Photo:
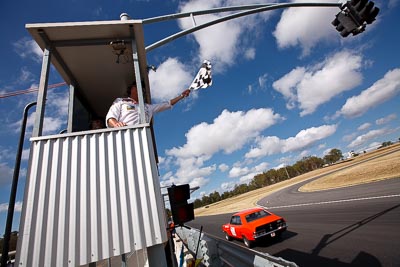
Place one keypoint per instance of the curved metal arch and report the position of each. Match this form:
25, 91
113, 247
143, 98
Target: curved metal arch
250, 9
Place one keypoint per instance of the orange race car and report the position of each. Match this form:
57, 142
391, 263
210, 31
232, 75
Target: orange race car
253, 224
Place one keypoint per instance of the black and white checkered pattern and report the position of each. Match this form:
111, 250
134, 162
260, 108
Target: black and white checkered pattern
203, 77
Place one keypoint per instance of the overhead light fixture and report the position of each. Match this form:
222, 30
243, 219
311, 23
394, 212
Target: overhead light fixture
119, 49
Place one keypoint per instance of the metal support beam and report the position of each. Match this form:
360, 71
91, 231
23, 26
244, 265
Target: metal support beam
138, 78
42, 93
201, 12
193, 20
71, 104
89, 42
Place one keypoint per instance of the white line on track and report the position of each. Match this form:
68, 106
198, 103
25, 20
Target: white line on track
331, 202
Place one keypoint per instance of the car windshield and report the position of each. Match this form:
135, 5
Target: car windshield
256, 215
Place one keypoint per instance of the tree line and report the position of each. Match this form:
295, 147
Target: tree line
273, 176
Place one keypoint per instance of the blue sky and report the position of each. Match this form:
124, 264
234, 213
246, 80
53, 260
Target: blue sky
285, 85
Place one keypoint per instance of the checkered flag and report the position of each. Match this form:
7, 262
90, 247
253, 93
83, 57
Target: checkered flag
203, 77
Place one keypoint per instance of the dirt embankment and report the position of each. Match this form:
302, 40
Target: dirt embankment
369, 169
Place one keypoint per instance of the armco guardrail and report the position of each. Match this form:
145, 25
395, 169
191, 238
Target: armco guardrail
219, 253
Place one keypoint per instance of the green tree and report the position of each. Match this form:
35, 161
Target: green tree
333, 156
387, 143
258, 181
215, 197
197, 203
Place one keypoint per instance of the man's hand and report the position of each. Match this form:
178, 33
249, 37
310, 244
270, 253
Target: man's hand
114, 123
186, 93
183, 95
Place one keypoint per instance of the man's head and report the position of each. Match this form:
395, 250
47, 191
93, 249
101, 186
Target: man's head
131, 90
97, 124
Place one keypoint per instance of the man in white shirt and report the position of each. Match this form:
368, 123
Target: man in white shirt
125, 111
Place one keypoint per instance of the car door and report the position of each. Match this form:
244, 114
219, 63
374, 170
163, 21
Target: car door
235, 226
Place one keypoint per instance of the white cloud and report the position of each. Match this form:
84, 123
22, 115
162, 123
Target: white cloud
191, 171
161, 160
56, 115
349, 137
321, 146
261, 167
237, 171
326, 151
228, 186
266, 146
304, 153
279, 166
169, 80
6, 174
26, 77
250, 53
198, 182
246, 174
308, 137
25, 154
285, 159
17, 207
57, 103
223, 167
193, 167
262, 80
364, 126
381, 91
247, 178
3, 207
7, 154
362, 139
287, 85
222, 43
250, 89
26, 47
272, 145
51, 125
374, 145
305, 27
312, 86
386, 119
195, 176
209, 39
228, 133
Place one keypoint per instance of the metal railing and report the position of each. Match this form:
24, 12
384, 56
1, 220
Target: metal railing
220, 253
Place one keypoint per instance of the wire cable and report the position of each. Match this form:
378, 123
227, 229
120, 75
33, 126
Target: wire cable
30, 90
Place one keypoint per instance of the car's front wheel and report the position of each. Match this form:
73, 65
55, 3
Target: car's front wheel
228, 237
247, 242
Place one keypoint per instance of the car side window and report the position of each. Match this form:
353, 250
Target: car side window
236, 220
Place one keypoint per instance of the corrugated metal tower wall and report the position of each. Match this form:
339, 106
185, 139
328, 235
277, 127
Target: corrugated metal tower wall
90, 196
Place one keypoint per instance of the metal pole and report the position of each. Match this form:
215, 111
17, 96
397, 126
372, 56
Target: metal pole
258, 9
41, 98
287, 172
11, 205
138, 78
198, 244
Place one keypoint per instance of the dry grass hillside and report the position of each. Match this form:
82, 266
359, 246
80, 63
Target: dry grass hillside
375, 169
